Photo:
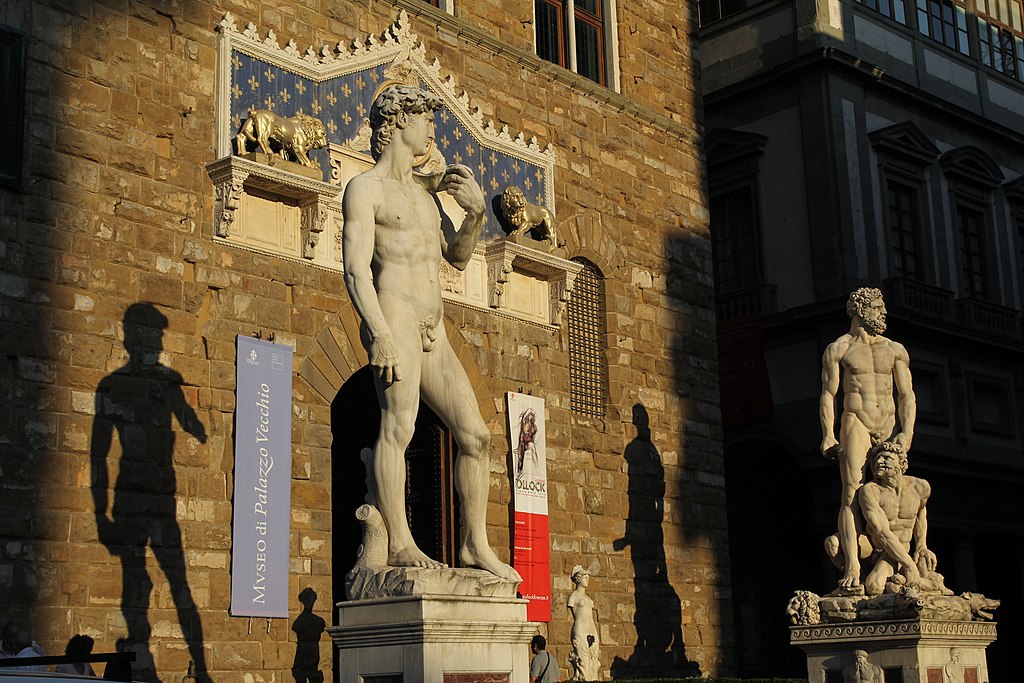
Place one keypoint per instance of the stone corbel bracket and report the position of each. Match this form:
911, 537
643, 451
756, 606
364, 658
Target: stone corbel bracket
505, 256
232, 176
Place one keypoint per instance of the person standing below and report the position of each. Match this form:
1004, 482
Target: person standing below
79, 647
543, 668
869, 365
395, 237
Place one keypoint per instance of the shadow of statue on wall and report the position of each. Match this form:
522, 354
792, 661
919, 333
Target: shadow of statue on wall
659, 648
138, 401
309, 628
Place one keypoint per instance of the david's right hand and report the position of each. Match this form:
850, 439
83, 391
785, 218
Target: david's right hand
384, 358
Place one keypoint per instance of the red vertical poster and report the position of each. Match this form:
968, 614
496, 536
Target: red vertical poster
531, 547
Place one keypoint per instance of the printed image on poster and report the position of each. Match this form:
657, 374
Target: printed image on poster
531, 546
262, 497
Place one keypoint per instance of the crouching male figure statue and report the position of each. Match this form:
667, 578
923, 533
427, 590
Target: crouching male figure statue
895, 514
395, 237
870, 365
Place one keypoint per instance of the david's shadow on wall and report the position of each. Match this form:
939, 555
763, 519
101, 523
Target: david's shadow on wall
138, 402
659, 648
309, 628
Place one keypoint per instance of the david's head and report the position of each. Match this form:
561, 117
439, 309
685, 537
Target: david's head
398, 107
867, 304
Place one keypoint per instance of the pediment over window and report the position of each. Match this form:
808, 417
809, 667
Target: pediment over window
728, 146
906, 141
972, 166
1015, 190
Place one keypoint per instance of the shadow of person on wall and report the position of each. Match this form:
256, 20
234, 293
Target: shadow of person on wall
308, 629
138, 401
659, 649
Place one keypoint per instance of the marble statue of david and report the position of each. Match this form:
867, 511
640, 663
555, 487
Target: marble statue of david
395, 236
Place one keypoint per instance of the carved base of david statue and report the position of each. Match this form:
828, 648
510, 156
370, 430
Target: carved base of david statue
423, 623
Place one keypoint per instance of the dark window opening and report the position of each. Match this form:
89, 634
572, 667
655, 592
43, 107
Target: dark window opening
12, 105
902, 219
735, 240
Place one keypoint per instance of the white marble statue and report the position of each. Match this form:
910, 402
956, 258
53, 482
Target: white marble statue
395, 238
894, 508
585, 657
870, 366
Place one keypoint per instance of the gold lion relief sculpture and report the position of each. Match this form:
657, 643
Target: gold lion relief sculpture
297, 135
523, 217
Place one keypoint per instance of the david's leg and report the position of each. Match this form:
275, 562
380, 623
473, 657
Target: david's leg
399, 405
447, 390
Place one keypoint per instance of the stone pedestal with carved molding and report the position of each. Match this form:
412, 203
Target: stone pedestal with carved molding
906, 651
433, 639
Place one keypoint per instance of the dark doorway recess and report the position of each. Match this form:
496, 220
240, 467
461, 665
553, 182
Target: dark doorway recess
775, 549
431, 501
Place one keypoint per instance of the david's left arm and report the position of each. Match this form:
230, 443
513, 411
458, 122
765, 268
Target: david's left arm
457, 245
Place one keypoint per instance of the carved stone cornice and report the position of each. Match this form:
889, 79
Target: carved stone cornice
889, 631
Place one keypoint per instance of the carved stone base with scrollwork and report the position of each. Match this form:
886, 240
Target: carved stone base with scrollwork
910, 650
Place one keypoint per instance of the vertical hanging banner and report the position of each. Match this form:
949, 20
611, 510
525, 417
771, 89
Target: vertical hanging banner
531, 548
263, 464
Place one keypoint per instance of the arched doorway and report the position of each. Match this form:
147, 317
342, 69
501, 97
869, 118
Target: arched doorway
431, 501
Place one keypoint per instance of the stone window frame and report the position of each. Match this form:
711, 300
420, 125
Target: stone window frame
893, 9
973, 177
1001, 35
567, 15
935, 374
904, 157
1003, 388
443, 5
958, 37
734, 165
587, 328
1014, 192
13, 63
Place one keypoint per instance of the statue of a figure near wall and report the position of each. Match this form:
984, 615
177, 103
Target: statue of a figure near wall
585, 657
869, 366
395, 237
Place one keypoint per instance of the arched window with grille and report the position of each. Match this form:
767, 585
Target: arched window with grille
588, 365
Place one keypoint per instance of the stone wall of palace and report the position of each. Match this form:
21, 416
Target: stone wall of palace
115, 208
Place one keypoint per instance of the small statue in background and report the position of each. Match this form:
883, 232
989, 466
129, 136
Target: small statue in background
296, 135
524, 217
585, 658
862, 671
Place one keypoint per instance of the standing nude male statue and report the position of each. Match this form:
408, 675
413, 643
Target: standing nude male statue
395, 237
870, 366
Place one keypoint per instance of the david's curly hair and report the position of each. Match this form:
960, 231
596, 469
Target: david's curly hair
860, 299
384, 112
